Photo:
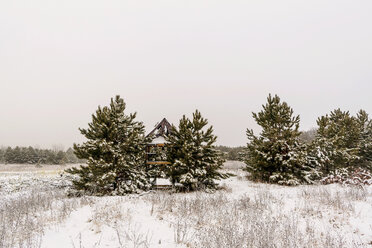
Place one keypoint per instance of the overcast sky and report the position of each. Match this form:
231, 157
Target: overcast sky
59, 60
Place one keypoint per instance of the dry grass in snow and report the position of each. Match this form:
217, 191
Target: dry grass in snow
243, 214
267, 216
24, 216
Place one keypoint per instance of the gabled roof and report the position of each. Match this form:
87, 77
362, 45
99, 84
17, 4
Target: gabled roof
163, 129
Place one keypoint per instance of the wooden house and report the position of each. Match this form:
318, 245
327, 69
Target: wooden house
156, 153
156, 149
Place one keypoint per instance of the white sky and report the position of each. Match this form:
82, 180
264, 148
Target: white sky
59, 60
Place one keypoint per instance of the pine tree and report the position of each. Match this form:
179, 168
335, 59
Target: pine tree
61, 157
10, 156
2, 153
50, 157
115, 153
337, 141
365, 140
17, 153
194, 160
276, 155
32, 157
70, 156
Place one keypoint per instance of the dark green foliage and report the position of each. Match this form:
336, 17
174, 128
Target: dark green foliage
276, 155
30, 155
115, 153
2, 152
338, 140
342, 142
340, 126
365, 140
195, 161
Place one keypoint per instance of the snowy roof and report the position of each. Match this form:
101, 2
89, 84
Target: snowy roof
159, 140
163, 181
163, 129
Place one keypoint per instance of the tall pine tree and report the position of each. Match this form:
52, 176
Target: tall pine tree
337, 140
115, 153
276, 155
365, 140
194, 160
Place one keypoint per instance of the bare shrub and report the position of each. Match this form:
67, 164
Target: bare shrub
182, 232
133, 237
339, 198
110, 213
114, 213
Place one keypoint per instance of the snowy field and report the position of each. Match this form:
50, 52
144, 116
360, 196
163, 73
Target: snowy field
35, 212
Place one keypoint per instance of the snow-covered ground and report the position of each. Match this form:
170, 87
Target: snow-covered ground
35, 212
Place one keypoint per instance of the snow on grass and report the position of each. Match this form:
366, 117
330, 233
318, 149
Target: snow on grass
272, 216
31, 202
34, 168
19, 183
112, 222
25, 215
35, 212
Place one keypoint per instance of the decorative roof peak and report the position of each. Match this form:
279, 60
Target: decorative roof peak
163, 128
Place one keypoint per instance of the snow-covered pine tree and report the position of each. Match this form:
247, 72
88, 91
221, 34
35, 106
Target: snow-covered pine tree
337, 141
276, 155
194, 160
115, 153
365, 140
319, 156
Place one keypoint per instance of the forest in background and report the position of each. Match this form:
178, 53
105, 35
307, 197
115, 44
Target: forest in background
31, 155
231, 153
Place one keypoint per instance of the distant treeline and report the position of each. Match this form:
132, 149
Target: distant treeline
237, 153
306, 137
30, 155
231, 153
